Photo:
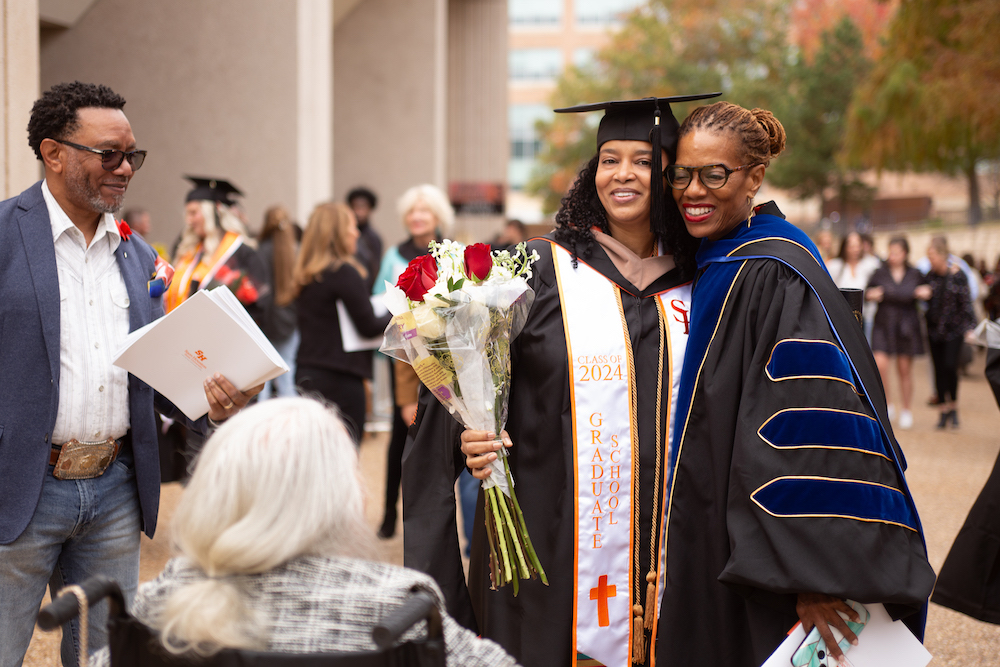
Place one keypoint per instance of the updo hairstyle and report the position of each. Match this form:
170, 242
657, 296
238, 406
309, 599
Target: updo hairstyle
760, 134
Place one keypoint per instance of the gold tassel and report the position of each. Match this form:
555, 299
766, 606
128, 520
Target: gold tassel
650, 599
638, 636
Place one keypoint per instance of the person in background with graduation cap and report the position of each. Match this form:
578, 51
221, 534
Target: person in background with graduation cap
216, 249
593, 373
787, 494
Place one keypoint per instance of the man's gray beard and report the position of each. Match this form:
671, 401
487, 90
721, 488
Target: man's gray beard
78, 184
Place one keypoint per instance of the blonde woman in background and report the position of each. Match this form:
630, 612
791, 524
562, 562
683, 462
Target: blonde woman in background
327, 271
216, 249
277, 250
427, 215
272, 543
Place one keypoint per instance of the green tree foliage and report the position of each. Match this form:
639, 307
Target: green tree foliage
813, 110
931, 102
668, 48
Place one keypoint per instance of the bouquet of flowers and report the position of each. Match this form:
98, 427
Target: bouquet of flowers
455, 312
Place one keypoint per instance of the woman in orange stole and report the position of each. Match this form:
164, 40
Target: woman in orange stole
216, 249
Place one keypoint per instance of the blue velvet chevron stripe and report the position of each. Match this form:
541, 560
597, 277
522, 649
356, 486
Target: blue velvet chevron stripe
828, 497
794, 359
826, 428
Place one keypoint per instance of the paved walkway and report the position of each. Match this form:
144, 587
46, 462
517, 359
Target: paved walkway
946, 471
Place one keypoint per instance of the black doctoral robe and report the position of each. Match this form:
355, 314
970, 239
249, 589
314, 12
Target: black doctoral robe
535, 627
969, 581
786, 477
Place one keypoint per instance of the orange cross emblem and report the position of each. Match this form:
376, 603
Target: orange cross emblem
601, 594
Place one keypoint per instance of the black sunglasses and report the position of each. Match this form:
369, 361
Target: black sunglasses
712, 176
111, 159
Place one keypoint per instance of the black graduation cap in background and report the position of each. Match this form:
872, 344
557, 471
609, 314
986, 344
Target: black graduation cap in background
212, 189
648, 119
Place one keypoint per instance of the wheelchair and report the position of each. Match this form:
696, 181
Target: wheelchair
134, 644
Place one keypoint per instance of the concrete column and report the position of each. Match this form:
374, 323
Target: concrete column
18, 91
315, 104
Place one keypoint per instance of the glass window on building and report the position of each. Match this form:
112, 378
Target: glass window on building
524, 142
583, 57
535, 12
534, 64
603, 12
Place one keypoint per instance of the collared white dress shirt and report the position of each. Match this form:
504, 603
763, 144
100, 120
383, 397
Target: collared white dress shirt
93, 323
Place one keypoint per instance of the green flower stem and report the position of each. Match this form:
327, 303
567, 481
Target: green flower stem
523, 527
514, 534
505, 564
491, 539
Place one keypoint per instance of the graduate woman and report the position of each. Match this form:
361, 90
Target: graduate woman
593, 377
787, 492
216, 249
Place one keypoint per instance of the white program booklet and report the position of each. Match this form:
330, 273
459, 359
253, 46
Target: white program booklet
883, 643
209, 333
349, 335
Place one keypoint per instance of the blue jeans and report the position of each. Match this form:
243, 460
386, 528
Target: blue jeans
283, 386
80, 528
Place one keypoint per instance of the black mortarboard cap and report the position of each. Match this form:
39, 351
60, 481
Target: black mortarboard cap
648, 119
212, 189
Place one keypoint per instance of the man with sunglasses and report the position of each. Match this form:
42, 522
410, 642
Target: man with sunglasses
79, 468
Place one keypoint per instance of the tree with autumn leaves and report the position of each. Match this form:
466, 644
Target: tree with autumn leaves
932, 103
858, 84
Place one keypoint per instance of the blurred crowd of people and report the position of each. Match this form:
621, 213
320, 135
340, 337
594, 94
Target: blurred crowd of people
932, 305
297, 284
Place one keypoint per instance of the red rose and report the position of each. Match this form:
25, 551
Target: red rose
418, 278
247, 293
124, 230
478, 261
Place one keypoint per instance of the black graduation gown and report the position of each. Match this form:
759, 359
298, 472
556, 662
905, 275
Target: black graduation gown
749, 525
969, 581
535, 627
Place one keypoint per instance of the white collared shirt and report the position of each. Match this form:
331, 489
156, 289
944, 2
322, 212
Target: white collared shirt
93, 323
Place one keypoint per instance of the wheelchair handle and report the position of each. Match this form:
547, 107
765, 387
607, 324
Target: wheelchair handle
420, 605
65, 607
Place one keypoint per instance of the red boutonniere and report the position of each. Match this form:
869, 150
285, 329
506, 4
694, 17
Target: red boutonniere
124, 230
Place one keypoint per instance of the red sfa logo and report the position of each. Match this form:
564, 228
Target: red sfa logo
681, 314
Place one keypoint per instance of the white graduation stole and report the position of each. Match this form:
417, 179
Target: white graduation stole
603, 430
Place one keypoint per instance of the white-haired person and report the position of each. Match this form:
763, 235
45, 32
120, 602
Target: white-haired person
272, 543
427, 215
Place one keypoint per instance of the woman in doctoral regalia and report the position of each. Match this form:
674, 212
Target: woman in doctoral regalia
787, 494
593, 375
214, 249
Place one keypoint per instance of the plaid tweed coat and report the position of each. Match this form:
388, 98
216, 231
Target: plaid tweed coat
317, 604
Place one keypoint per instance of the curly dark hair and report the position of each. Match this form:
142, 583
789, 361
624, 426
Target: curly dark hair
581, 210
363, 193
54, 114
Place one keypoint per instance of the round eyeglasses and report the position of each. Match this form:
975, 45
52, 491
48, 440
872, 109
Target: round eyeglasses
712, 176
110, 159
